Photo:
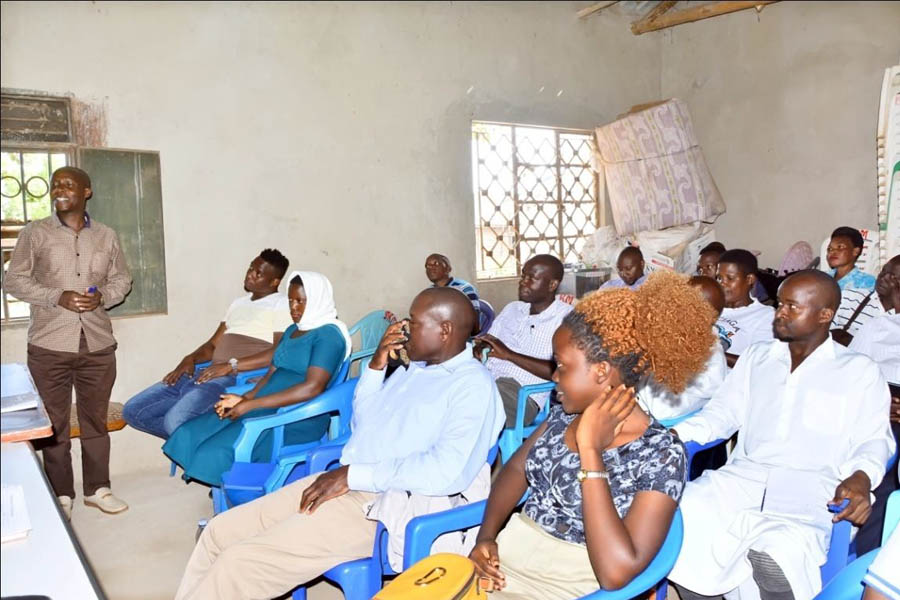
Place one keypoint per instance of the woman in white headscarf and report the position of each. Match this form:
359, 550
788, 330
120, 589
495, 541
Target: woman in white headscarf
306, 360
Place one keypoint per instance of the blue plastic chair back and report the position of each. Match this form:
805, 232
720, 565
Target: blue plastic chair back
513, 437
370, 329
891, 516
486, 315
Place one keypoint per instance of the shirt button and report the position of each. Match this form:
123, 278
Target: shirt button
77, 254
79, 274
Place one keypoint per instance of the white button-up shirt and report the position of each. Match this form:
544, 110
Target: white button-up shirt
879, 339
528, 334
426, 430
828, 419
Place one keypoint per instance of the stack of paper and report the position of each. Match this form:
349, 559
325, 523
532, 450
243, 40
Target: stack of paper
16, 388
14, 524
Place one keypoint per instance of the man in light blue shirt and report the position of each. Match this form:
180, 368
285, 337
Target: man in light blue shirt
630, 266
419, 444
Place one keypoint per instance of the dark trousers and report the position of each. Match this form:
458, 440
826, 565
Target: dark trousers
92, 374
869, 535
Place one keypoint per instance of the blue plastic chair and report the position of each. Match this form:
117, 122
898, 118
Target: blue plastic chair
361, 579
512, 438
422, 531
247, 480
370, 329
847, 584
486, 315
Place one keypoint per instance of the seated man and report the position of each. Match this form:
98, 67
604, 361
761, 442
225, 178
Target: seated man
630, 266
708, 263
744, 319
857, 288
437, 269
879, 339
520, 342
420, 443
813, 426
244, 340
660, 402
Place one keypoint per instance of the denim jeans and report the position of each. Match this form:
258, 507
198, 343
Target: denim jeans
161, 409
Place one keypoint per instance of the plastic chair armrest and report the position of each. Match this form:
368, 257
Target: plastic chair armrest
200, 366
693, 448
245, 376
239, 389
323, 456
423, 530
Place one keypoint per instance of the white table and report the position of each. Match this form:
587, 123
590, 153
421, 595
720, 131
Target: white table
49, 561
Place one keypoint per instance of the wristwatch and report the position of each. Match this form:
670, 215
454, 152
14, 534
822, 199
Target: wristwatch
582, 475
233, 362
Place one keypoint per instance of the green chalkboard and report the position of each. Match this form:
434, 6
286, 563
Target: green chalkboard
128, 197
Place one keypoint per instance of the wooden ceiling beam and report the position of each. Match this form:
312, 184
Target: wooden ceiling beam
651, 16
695, 13
589, 10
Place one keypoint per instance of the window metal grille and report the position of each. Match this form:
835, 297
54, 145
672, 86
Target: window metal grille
24, 197
535, 193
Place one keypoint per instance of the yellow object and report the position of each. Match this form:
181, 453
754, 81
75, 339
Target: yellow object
438, 577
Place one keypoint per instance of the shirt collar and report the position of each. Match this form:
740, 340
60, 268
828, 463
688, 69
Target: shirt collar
546, 314
59, 222
824, 351
449, 365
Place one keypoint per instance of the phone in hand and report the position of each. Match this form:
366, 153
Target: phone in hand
400, 355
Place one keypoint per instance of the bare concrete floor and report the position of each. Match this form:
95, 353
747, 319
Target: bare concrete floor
140, 554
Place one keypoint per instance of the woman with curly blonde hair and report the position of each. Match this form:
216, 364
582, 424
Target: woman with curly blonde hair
605, 477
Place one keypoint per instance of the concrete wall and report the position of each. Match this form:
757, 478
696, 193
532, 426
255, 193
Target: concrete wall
338, 133
785, 107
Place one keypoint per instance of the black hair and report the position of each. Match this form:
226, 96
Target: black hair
82, 175
556, 266
296, 280
591, 343
851, 234
717, 247
276, 259
631, 250
744, 259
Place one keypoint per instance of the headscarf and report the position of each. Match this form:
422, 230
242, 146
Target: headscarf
320, 309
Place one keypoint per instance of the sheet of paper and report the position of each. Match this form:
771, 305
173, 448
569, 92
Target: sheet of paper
15, 380
14, 521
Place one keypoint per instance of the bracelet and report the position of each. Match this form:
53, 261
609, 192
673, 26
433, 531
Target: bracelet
582, 475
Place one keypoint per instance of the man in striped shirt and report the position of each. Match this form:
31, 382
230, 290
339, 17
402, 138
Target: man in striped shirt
437, 269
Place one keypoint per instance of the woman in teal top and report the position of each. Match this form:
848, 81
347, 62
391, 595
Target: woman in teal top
306, 359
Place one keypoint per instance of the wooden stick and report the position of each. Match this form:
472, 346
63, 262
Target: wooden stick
584, 12
651, 16
695, 14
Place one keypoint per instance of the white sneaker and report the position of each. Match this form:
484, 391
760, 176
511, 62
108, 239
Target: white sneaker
65, 503
105, 501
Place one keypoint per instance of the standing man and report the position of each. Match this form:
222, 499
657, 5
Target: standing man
520, 342
71, 269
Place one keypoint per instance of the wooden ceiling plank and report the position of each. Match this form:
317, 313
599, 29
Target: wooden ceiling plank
695, 13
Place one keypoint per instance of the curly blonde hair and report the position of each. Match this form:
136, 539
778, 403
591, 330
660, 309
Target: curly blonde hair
664, 327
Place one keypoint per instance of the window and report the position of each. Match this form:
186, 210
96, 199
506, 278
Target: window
37, 139
25, 194
535, 192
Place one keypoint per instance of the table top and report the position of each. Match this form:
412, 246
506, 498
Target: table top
49, 560
30, 424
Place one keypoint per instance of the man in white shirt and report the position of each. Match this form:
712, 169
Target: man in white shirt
520, 342
879, 339
745, 320
244, 340
813, 425
419, 444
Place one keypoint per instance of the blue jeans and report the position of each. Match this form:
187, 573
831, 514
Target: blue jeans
161, 409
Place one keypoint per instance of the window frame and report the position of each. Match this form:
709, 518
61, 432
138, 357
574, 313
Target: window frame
560, 238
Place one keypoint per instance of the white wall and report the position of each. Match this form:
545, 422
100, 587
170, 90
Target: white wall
338, 133
785, 107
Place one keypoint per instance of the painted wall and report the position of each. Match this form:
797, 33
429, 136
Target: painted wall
785, 107
338, 133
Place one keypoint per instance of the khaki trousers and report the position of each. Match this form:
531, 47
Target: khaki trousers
265, 548
92, 374
524, 547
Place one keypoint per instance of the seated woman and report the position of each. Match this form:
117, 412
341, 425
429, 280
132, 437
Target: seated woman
605, 478
309, 354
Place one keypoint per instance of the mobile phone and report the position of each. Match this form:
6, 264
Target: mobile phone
836, 508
